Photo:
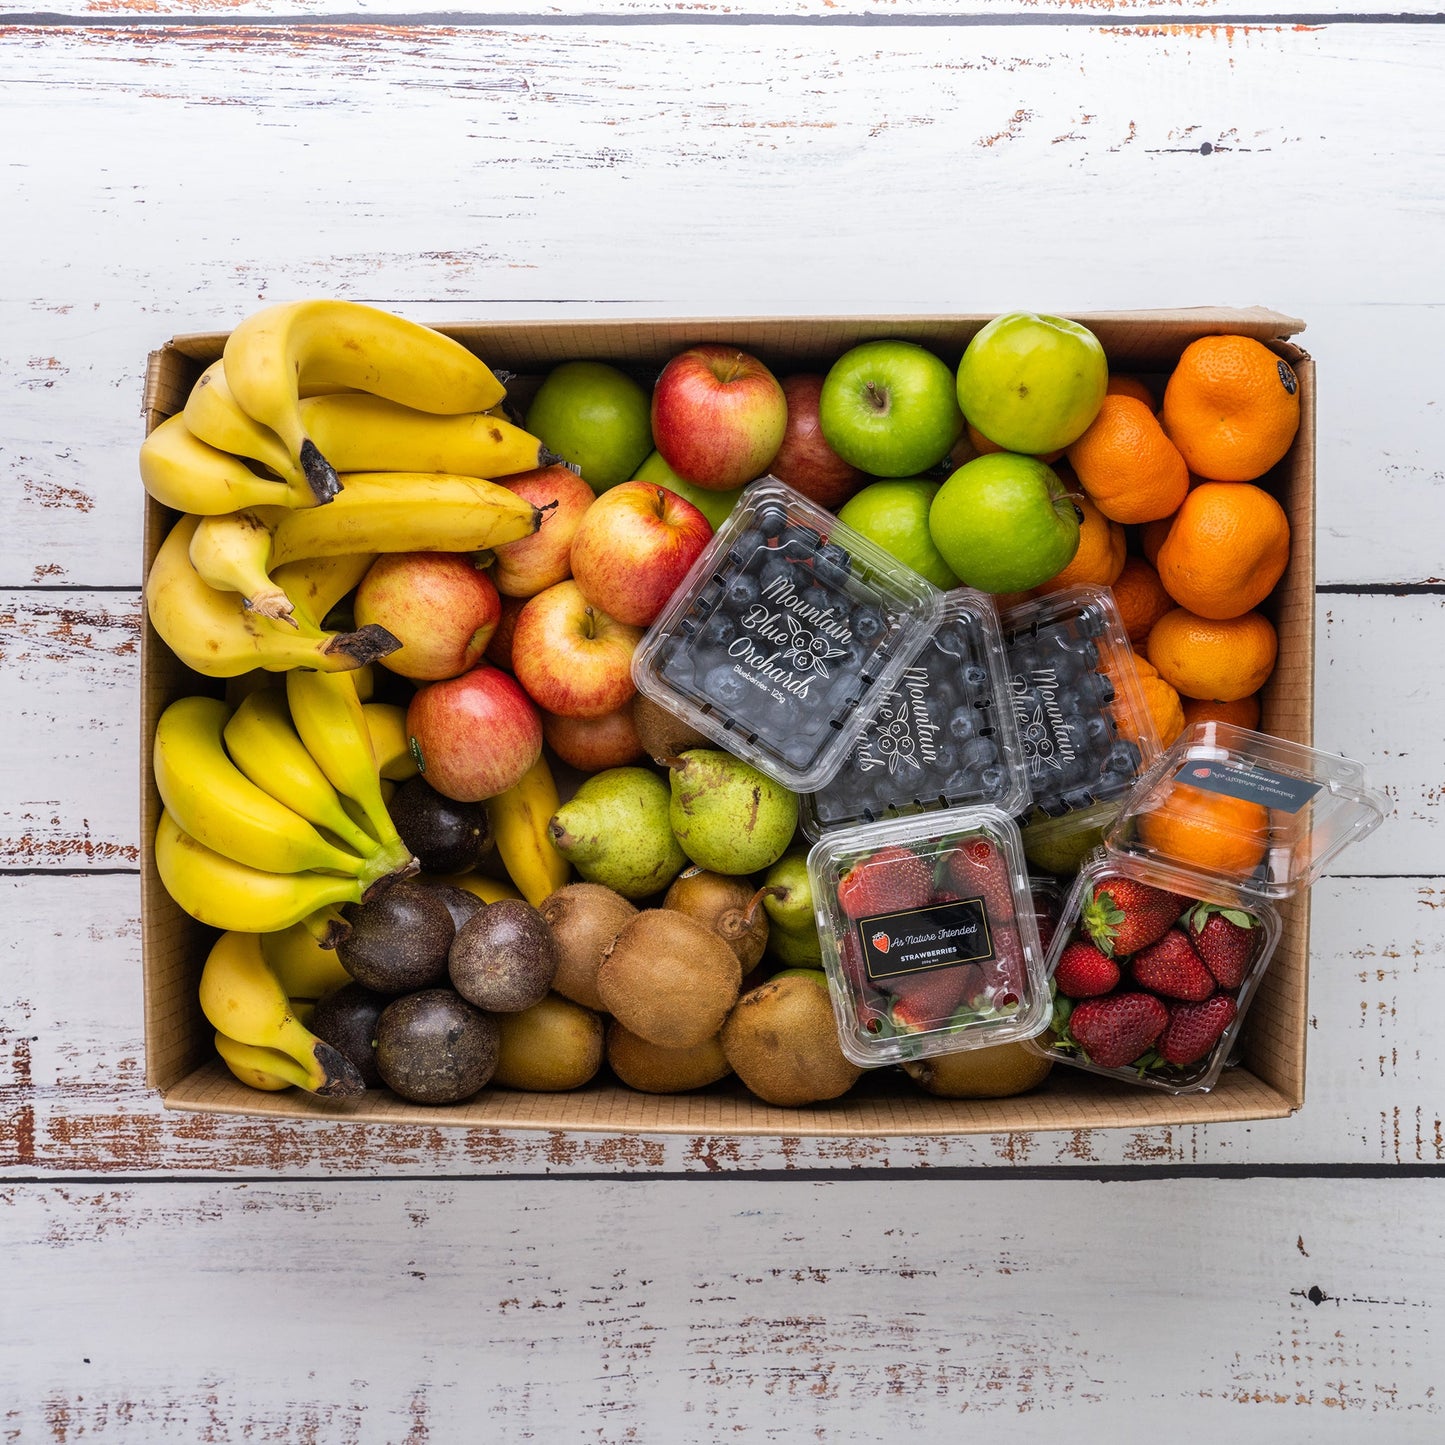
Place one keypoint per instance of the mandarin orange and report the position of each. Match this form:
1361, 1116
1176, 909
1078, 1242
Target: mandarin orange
1215, 659
1227, 548
1127, 465
1141, 598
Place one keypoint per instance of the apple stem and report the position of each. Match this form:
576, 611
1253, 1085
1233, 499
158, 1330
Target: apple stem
591, 623
879, 400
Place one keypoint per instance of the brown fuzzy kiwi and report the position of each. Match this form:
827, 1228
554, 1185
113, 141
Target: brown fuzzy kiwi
731, 907
782, 1042
652, 1070
553, 1046
584, 919
996, 1072
661, 734
669, 979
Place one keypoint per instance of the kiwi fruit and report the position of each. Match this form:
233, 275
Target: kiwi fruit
669, 979
347, 1019
730, 906
504, 958
584, 919
997, 1071
661, 734
399, 940
433, 1047
553, 1046
444, 835
782, 1042
653, 1070
460, 903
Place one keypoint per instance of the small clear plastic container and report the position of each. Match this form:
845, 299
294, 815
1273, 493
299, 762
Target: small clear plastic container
929, 935
945, 737
1226, 821
1085, 726
786, 636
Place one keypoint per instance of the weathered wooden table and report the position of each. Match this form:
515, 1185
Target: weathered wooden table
169, 166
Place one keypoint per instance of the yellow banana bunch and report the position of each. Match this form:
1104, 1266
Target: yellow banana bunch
276, 351
390, 741
244, 1001
519, 823
182, 472
215, 633
220, 807
219, 891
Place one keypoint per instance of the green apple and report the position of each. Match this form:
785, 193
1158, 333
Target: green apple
595, 417
1004, 523
894, 514
715, 506
889, 408
1032, 383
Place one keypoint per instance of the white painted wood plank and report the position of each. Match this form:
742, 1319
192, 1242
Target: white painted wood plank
69, 705
72, 1074
684, 1311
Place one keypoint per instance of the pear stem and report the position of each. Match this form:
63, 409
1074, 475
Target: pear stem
755, 902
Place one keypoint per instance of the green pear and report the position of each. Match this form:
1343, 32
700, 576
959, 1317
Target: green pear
614, 831
789, 899
796, 950
727, 815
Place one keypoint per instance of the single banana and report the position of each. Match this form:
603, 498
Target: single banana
316, 585
244, 1000
328, 716
404, 512
265, 746
273, 353
232, 553
329, 926
519, 822
216, 417
304, 968
361, 433
219, 805
216, 634
390, 741
267, 1069
180, 471
219, 891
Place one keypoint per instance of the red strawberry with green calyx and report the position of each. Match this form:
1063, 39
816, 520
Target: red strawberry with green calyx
1084, 972
1116, 1030
889, 881
1123, 915
1225, 938
1194, 1029
1172, 967
927, 1000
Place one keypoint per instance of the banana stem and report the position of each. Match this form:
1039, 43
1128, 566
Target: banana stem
320, 474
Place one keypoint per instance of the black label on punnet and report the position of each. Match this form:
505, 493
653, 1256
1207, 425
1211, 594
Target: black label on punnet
938, 936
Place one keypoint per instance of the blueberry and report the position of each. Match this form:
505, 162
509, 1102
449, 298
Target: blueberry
832, 563
1078, 798
678, 669
991, 779
1123, 757
1086, 650
1092, 622
775, 570
945, 759
725, 687
978, 753
1097, 688
718, 631
743, 590
799, 751
1097, 730
975, 677
962, 725
867, 623
771, 518
801, 541
745, 544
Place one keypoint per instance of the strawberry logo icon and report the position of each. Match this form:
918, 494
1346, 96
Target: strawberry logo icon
881, 942
1201, 772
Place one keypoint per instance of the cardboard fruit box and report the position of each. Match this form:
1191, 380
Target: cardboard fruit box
1269, 1081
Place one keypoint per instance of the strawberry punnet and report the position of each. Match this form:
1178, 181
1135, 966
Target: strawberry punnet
1084, 972
888, 881
1173, 968
1124, 915
1225, 938
1194, 1029
1114, 1031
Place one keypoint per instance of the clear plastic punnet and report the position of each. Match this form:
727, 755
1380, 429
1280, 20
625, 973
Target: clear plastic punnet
945, 737
786, 636
1086, 728
929, 935
1169, 928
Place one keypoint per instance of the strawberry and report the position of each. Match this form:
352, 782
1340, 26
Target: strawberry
888, 881
1173, 968
1005, 979
976, 869
1194, 1029
924, 1000
1084, 972
1114, 1031
1124, 915
1225, 938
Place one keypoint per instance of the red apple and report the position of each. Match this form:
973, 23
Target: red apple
633, 548
573, 658
805, 461
718, 416
475, 735
499, 649
524, 568
591, 744
440, 604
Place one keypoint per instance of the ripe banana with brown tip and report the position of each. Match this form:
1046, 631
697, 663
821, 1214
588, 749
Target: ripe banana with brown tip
273, 353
